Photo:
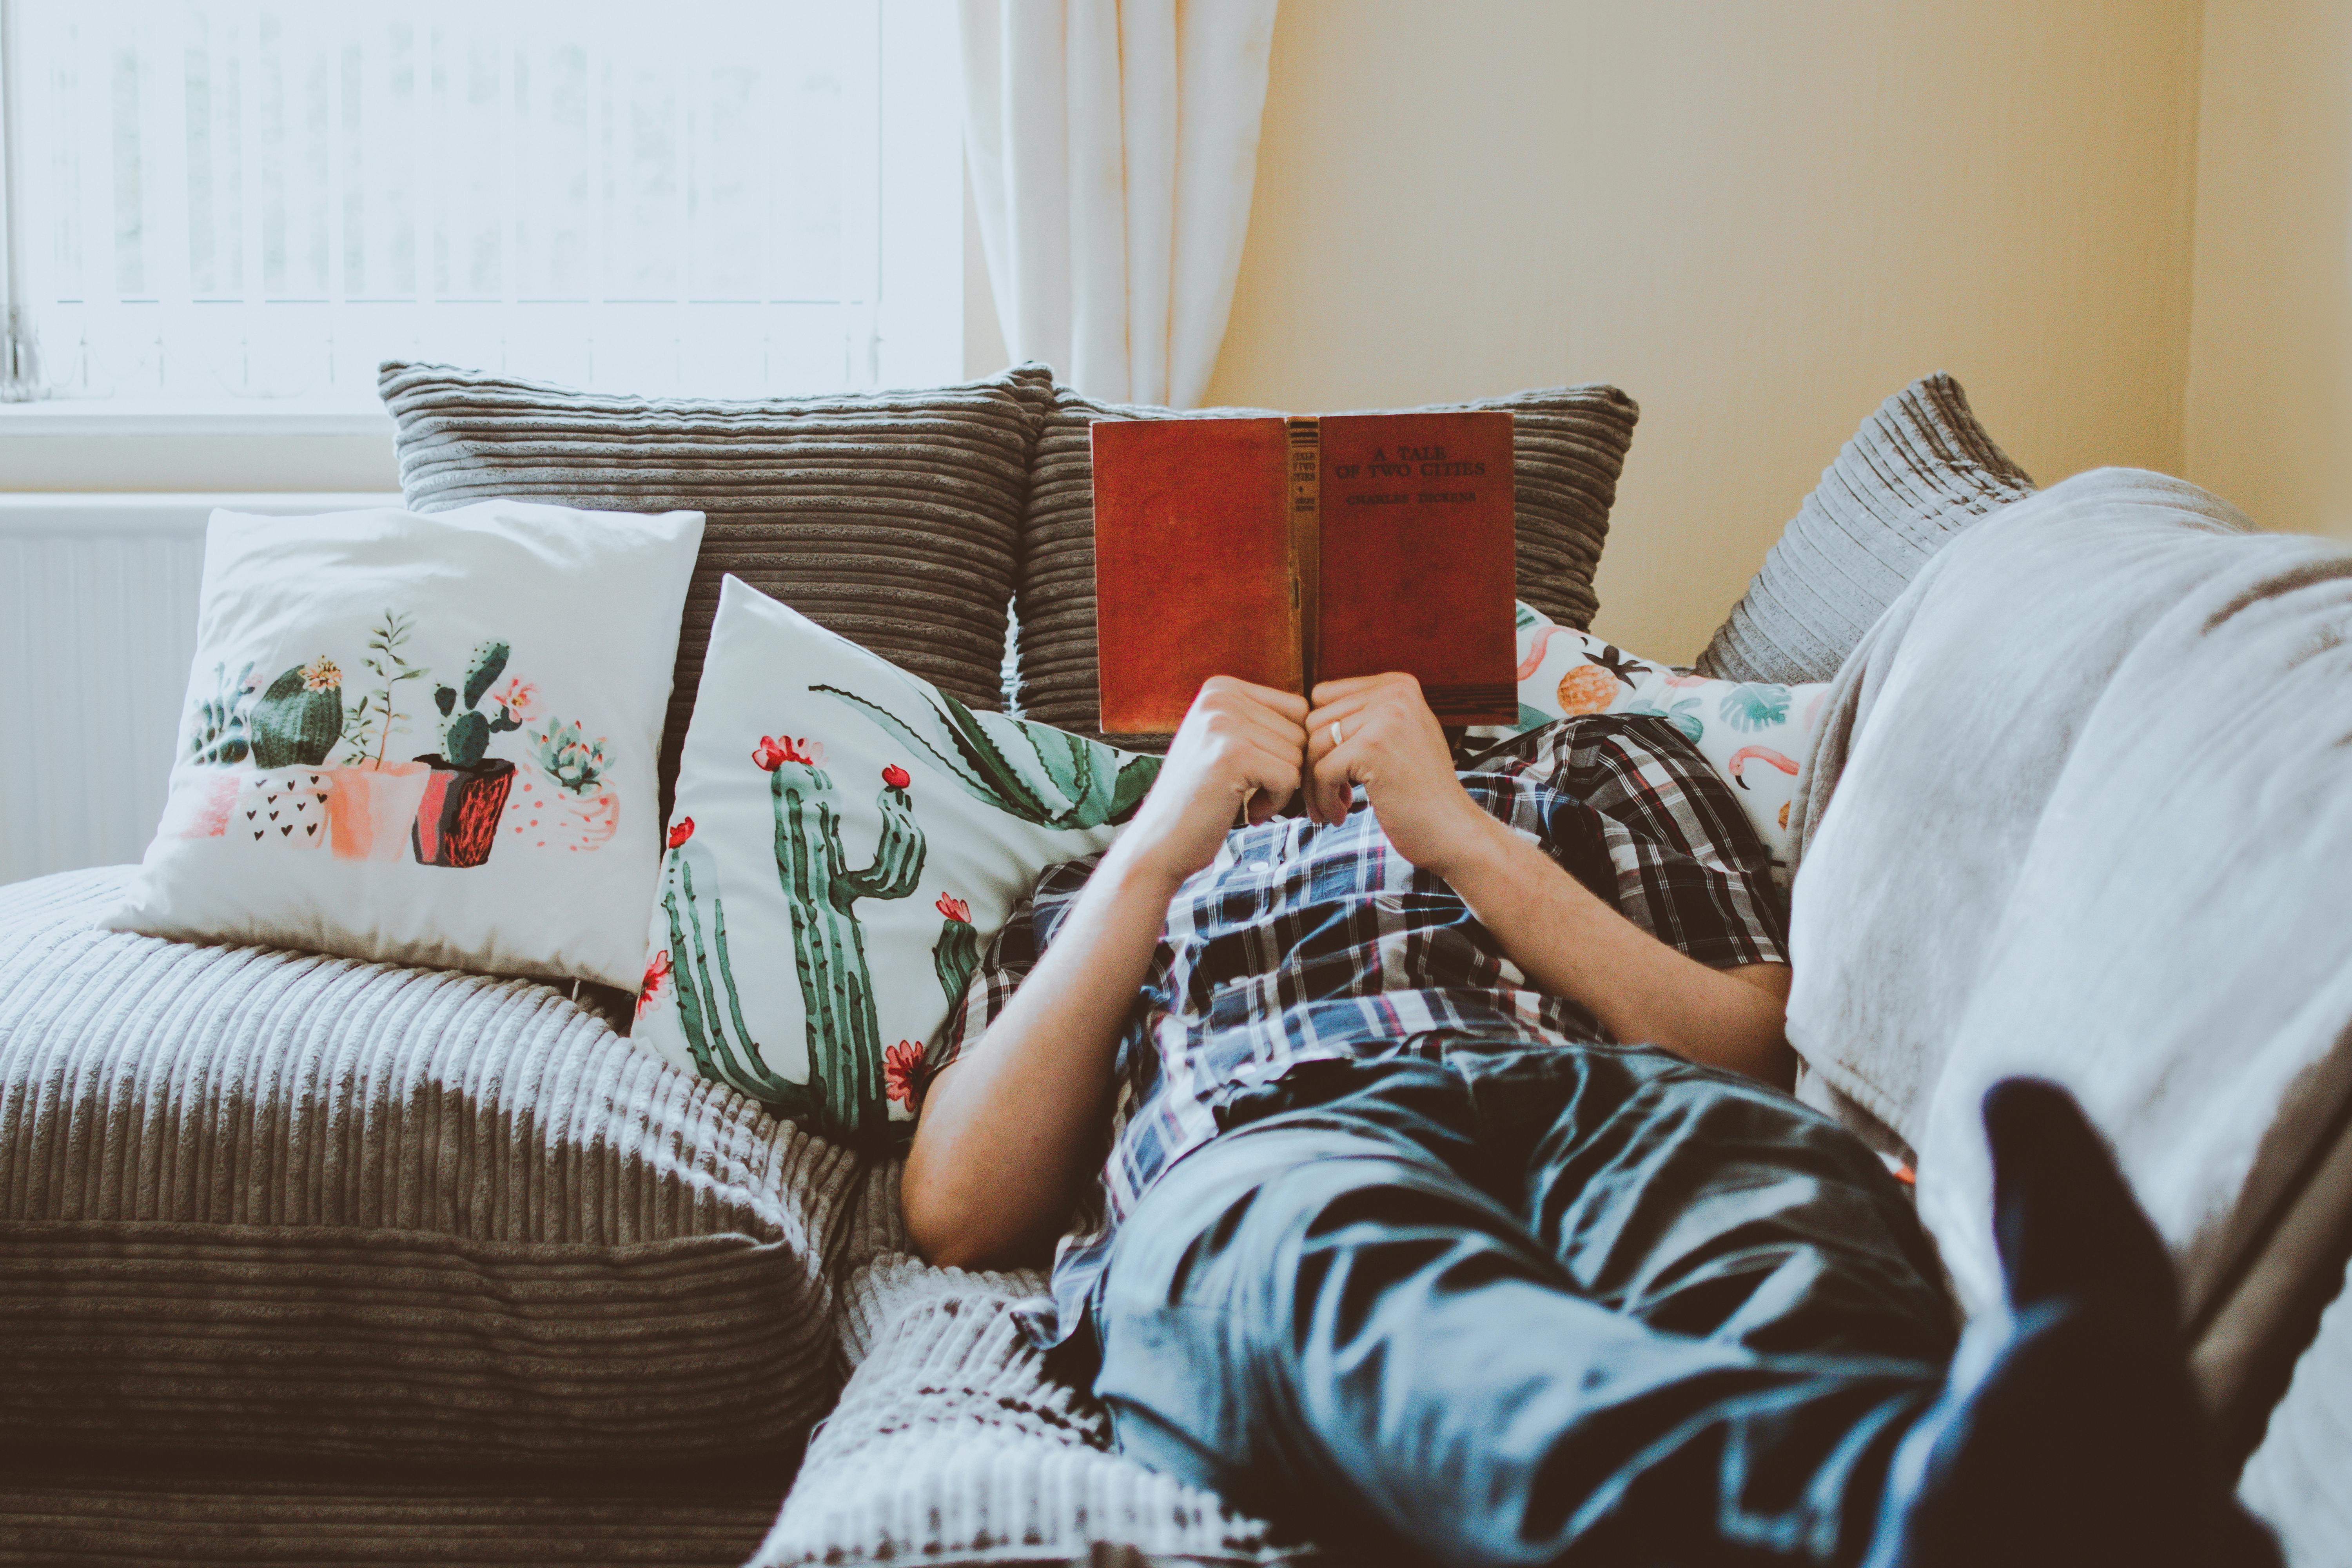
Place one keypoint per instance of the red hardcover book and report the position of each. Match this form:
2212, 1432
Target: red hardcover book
1288, 552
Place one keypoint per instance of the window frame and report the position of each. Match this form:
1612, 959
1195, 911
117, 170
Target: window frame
918, 336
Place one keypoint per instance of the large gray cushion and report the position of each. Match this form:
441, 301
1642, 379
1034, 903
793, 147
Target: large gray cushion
1917, 473
950, 1446
1569, 447
887, 517
280, 1202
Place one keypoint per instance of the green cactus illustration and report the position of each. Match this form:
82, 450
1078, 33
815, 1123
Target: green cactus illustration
467, 734
298, 720
957, 952
1033, 771
568, 756
735, 1060
219, 737
828, 943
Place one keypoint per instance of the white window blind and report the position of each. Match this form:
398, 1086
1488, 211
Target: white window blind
243, 199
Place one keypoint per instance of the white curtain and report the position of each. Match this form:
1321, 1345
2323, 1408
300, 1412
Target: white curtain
1113, 147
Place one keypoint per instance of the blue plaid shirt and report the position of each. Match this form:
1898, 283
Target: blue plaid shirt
1301, 942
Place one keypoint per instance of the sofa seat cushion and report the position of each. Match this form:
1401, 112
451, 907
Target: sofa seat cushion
321, 1206
950, 1446
100, 1510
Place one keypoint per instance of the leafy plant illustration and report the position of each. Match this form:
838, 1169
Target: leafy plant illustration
466, 735
1683, 716
1753, 704
828, 942
1033, 771
298, 720
730, 1059
219, 737
373, 720
566, 755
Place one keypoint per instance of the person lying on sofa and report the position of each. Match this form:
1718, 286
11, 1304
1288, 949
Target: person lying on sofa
1401, 1241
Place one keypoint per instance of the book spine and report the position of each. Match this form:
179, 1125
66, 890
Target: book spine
1305, 536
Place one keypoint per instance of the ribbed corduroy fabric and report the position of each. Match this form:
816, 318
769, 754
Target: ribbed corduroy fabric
2300, 1479
950, 1446
1569, 446
888, 517
99, 1514
292, 1203
1919, 471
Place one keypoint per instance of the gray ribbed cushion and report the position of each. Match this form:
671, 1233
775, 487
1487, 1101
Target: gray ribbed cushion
950, 1446
1569, 446
97, 1513
287, 1202
2300, 1479
888, 517
1919, 471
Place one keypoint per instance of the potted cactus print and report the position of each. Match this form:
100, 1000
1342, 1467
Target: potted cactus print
457, 819
291, 730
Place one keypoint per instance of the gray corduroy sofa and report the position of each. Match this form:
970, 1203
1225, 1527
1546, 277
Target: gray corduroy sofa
308, 1259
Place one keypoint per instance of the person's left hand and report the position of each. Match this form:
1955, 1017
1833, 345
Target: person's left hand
1387, 741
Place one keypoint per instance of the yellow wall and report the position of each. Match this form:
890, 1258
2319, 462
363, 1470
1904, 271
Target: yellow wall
2270, 364
1759, 219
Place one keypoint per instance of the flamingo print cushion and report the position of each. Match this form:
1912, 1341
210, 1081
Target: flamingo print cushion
845, 838
1755, 733
425, 739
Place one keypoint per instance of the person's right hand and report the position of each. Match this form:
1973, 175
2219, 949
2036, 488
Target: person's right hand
1238, 750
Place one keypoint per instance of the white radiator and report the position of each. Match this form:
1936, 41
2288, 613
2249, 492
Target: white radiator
98, 627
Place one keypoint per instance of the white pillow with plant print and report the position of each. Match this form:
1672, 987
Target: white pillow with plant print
845, 839
424, 738
1754, 733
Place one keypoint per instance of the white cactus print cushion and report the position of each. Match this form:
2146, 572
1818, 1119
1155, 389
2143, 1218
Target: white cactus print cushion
845, 836
1756, 733
425, 739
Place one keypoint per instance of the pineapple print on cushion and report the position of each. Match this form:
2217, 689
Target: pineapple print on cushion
812, 934
1754, 733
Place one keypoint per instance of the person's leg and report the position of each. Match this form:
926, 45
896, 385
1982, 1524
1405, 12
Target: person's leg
1322, 1317
1702, 1203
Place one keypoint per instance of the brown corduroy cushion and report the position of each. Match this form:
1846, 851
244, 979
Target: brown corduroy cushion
1569, 445
287, 1204
887, 517
1919, 471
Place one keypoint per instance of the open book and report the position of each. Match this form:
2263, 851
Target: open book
1288, 551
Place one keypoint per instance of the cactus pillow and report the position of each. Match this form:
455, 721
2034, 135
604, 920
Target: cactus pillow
428, 740
845, 836
1755, 733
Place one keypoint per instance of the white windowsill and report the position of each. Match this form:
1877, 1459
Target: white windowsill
161, 416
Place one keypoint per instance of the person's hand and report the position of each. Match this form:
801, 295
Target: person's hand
1377, 731
1238, 752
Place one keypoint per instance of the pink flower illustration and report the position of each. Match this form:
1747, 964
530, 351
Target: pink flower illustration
519, 698
655, 973
953, 908
774, 751
902, 1074
895, 776
682, 832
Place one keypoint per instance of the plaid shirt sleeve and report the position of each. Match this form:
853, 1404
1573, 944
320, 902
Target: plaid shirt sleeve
1629, 806
1011, 954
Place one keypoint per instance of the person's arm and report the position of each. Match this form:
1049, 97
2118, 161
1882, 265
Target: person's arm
1565, 939
1011, 1128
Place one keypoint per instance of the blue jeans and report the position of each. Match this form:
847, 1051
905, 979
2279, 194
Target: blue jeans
1590, 1304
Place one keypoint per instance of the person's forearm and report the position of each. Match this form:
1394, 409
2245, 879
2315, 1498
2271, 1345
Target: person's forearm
1575, 945
1011, 1129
